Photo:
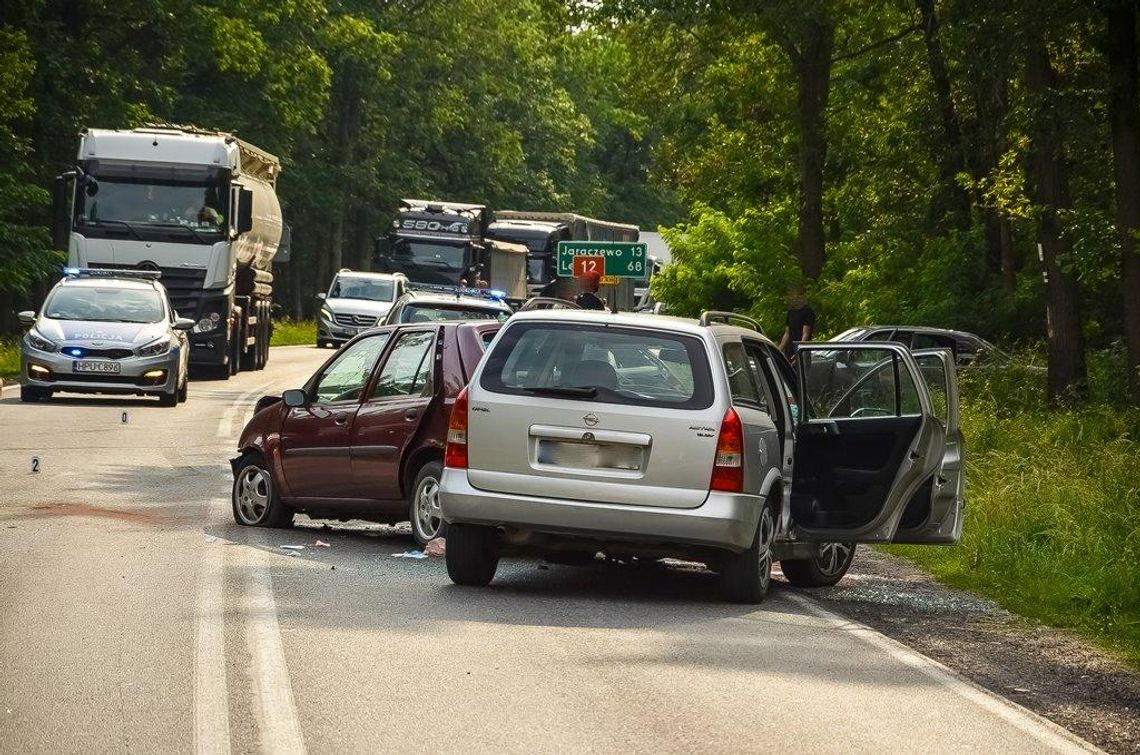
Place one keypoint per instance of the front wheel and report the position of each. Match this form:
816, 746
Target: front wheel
472, 554
824, 570
30, 394
255, 499
744, 577
423, 504
184, 391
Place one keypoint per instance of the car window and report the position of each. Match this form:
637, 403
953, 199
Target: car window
436, 313
875, 335
345, 378
105, 304
934, 375
934, 341
742, 376
859, 383
407, 371
901, 336
589, 362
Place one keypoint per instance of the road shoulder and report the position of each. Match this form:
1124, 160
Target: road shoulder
1049, 671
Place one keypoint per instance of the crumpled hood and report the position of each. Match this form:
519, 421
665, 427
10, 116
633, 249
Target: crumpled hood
127, 335
358, 307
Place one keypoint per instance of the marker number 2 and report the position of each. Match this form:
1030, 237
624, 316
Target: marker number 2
35, 464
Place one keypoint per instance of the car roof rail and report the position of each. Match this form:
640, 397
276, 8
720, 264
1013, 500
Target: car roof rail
99, 272
714, 316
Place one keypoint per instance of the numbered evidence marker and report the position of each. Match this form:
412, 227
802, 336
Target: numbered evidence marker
124, 418
35, 465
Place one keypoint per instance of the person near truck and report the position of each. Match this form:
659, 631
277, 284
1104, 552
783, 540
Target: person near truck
798, 323
589, 298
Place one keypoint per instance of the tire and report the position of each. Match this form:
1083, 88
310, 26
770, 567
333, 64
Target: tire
248, 355
184, 391
254, 497
30, 394
423, 504
472, 554
235, 343
745, 577
824, 570
169, 399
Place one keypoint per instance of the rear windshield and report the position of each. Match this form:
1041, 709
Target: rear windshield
597, 363
437, 313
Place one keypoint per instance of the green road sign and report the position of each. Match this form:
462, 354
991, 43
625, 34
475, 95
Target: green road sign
621, 258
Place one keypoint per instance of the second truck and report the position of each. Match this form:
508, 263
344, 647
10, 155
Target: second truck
201, 208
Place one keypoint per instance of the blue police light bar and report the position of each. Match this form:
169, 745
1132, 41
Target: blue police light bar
93, 272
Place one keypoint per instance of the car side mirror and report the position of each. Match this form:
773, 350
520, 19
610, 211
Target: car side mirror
322, 296
183, 323
294, 398
27, 317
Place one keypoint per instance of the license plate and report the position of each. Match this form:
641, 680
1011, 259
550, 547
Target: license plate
589, 455
102, 368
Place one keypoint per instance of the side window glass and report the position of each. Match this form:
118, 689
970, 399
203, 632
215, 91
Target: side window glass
934, 341
879, 335
858, 383
740, 381
407, 372
786, 380
935, 376
762, 375
902, 336
345, 378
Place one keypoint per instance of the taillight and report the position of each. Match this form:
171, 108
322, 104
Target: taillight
728, 468
455, 453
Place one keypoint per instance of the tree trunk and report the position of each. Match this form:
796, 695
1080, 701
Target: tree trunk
811, 59
1124, 112
953, 159
1050, 186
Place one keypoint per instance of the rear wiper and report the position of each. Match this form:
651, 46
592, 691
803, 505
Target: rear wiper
582, 392
123, 223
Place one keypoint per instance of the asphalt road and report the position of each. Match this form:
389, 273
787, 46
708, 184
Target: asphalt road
135, 616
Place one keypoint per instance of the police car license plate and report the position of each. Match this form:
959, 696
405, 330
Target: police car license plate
102, 368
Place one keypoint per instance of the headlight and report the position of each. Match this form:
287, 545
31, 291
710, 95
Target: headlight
327, 314
208, 323
161, 346
38, 342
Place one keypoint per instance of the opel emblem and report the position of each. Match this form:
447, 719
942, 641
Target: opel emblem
591, 420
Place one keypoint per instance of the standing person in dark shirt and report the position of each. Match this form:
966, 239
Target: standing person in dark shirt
589, 298
799, 323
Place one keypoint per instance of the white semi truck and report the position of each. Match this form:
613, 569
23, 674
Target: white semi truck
201, 208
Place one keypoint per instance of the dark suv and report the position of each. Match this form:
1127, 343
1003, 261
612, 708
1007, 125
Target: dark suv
364, 438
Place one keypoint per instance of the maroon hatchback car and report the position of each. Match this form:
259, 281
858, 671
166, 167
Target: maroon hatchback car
364, 438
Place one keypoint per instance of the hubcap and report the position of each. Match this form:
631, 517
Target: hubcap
833, 557
252, 492
428, 515
765, 534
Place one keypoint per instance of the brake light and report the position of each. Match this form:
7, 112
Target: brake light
455, 453
728, 467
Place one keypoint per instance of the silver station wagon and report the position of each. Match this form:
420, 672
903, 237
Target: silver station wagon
652, 437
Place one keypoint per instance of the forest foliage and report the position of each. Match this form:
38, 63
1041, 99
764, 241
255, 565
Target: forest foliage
956, 163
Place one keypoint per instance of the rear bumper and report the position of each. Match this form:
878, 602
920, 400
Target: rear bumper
724, 520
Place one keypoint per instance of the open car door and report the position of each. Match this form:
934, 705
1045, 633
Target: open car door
869, 444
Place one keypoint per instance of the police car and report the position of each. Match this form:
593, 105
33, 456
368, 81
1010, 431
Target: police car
105, 331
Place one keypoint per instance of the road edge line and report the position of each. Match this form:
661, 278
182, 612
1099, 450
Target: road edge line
1040, 728
211, 694
278, 724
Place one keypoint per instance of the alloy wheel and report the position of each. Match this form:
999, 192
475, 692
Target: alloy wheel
765, 534
427, 511
833, 558
252, 493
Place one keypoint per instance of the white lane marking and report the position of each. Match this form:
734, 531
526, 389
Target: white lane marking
226, 423
1049, 734
278, 724
211, 696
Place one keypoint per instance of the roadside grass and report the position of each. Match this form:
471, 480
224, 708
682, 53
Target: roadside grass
9, 359
1052, 522
294, 333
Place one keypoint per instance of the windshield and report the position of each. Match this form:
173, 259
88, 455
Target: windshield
138, 194
369, 289
596, 363
437, 313
104, 304
536, 269
443, 256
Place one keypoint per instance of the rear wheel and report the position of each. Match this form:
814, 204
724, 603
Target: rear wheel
472, 554
824, 570
423, 505
744, 577
31, 394
255, 499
